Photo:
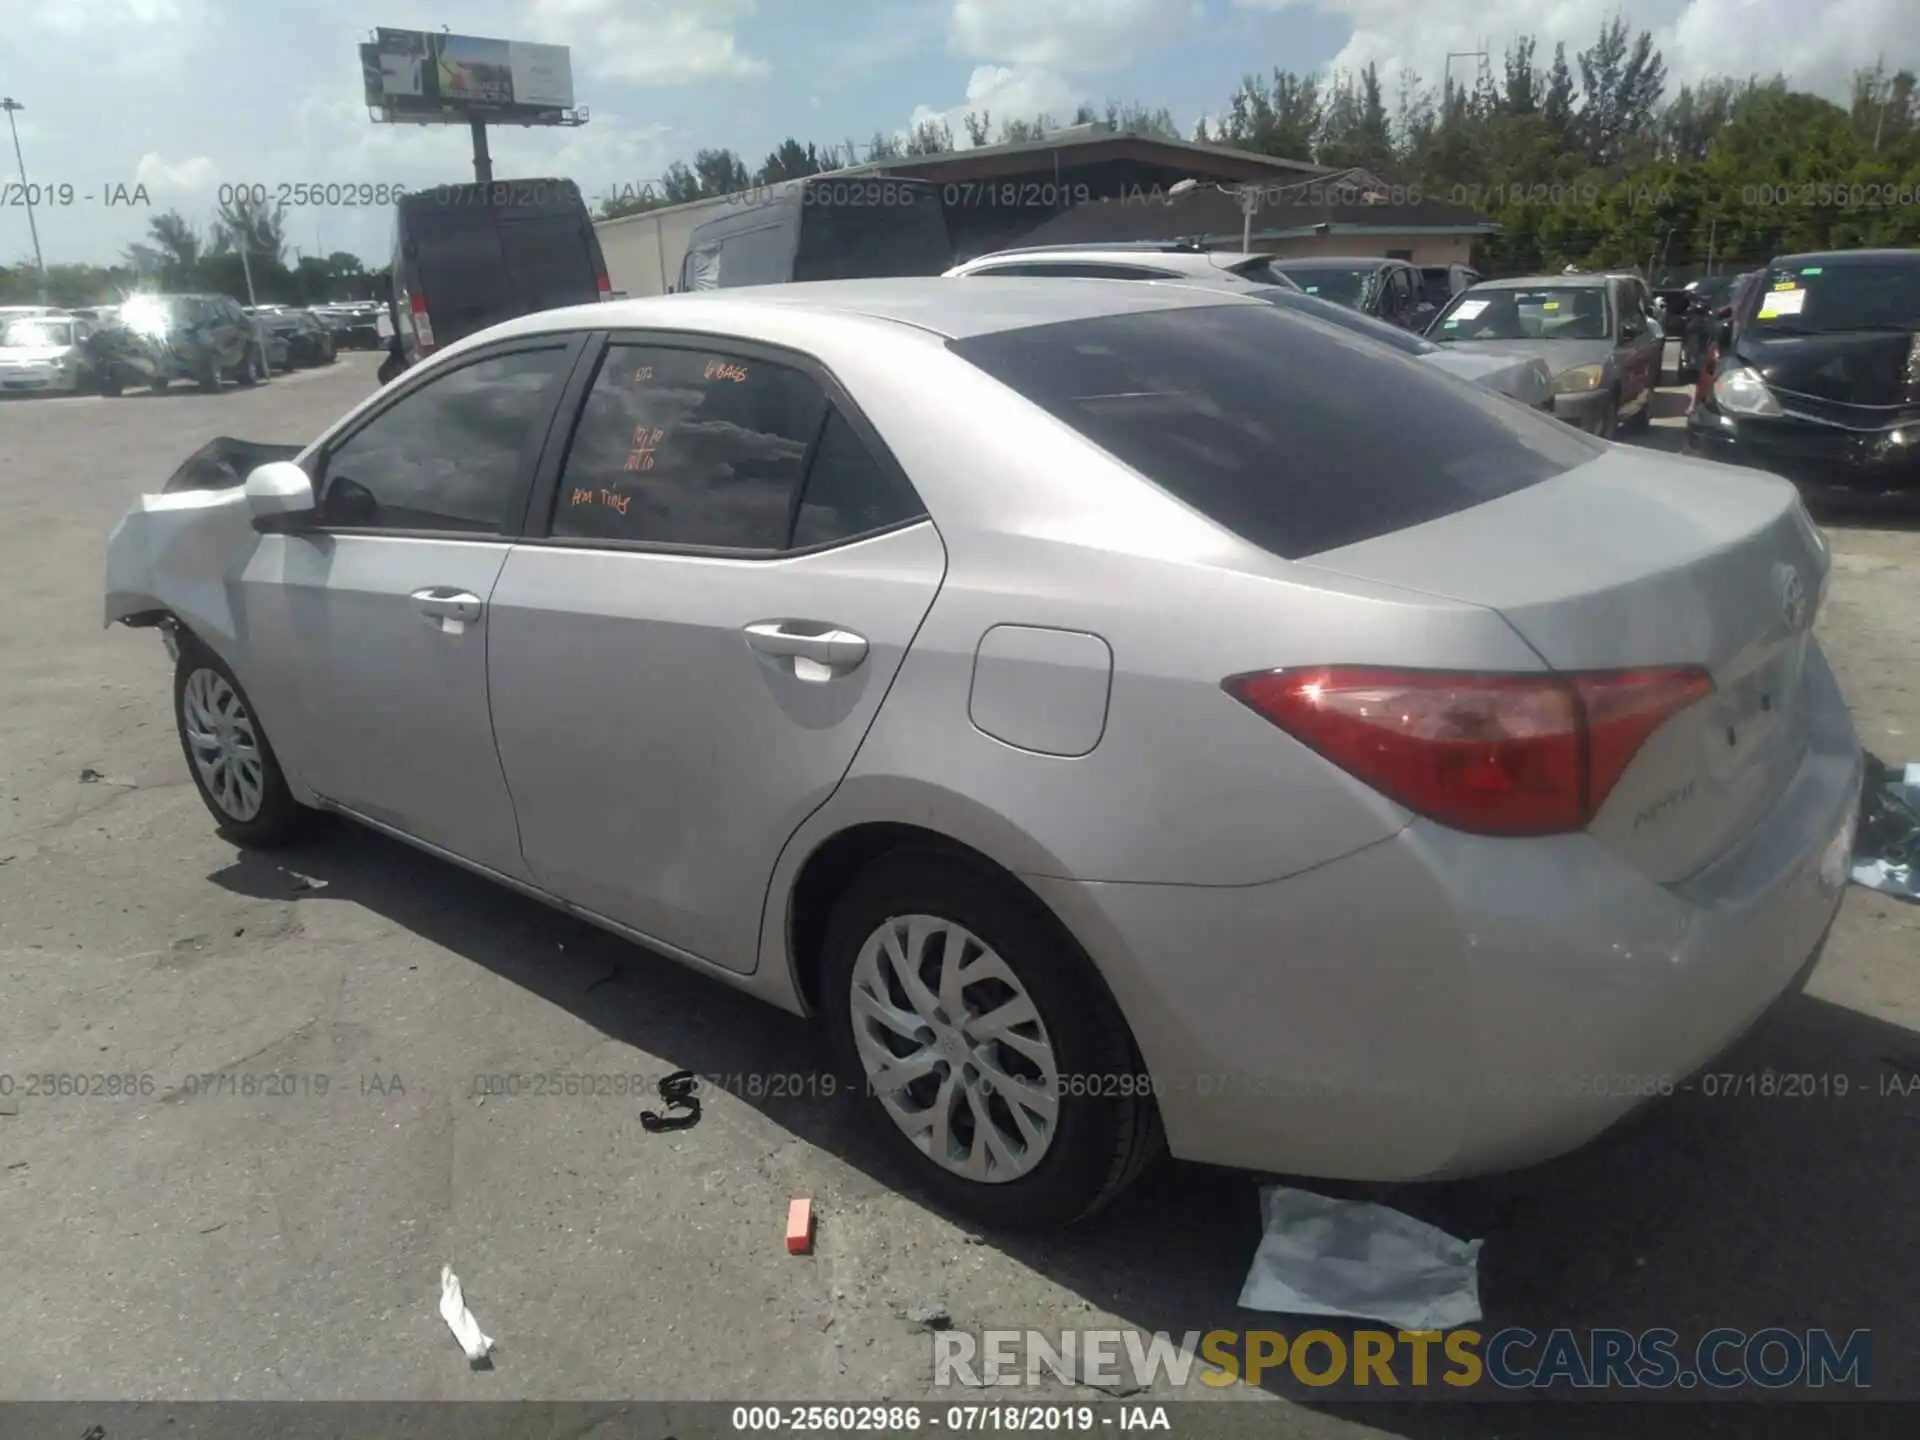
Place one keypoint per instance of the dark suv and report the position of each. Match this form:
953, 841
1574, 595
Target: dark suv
1390, 290
154, 340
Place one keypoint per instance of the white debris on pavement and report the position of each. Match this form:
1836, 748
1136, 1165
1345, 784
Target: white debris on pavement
453, 1309
1890, 828
1320, 1256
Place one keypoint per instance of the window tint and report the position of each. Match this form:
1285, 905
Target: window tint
854, 229
848, 491
688, 447
448, 456
1270, 425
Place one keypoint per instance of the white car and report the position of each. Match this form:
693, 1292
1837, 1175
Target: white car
44, 352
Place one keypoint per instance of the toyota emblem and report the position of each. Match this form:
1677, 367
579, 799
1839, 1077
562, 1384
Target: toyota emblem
1793, 595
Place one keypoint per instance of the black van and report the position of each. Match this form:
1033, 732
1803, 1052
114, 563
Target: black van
822, 228
469, 256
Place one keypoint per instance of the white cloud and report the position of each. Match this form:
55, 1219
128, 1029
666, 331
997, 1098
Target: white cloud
1004, 92
652, 42
188, 177
1818, 43
76, 17
1036, 53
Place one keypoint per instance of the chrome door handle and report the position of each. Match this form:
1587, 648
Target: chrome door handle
440, 603
811, 646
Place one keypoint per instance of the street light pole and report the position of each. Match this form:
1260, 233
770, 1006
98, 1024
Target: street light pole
246, 266
13, 106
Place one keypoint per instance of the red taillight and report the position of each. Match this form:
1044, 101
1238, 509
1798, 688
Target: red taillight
1491, 754
605, 287
422, 324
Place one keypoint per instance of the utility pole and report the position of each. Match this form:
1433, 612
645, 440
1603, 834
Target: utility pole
482, 160
1446, 83
13, 107
246, 266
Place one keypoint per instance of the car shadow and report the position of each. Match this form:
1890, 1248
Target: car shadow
1732, 1209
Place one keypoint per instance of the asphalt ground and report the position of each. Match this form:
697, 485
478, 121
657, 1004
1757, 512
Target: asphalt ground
202, 1242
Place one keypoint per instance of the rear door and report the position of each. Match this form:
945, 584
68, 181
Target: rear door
550, 260
684, 666
457, 263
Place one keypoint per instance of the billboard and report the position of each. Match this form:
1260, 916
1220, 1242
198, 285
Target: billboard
423, 77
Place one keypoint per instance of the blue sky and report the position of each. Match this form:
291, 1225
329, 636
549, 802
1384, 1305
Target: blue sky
184, 96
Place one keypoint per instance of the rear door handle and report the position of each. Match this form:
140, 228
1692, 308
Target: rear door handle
817, 651
448, 606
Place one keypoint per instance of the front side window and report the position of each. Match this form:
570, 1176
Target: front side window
688, 447
448, 456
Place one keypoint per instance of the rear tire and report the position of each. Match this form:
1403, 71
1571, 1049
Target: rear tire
250, 368
209, 378
1053, 1169
229, 756
158, 384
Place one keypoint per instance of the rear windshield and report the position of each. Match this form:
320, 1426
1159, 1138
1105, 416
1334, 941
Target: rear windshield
1271, 424
868, 228
1818, 300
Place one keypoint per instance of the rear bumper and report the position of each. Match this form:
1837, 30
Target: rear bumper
1827, 464
1441, 1005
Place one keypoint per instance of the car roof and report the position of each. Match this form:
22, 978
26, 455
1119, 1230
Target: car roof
986, 305
1836, 259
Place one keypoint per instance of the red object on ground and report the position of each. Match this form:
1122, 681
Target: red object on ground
800, 1227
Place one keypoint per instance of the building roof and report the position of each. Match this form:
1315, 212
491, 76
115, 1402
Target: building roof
1350, 202
1080, 145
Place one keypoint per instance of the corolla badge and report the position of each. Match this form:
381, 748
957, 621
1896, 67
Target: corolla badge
1792, 591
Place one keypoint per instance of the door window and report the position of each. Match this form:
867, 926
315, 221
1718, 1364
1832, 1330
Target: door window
848, 491
450, 455
688, 447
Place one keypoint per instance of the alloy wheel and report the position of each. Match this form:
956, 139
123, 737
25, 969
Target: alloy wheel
224, 744
954, 1048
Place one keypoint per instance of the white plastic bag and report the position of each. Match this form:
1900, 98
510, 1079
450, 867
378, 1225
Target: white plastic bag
453, 1310
1320, 1256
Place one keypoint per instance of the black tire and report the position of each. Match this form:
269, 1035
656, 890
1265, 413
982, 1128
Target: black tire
280, 819
249, 370
111, 385
208, 378
1607, 422
1102, 1141
158, 384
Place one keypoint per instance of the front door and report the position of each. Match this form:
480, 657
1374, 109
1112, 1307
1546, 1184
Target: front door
369, 635
684, 670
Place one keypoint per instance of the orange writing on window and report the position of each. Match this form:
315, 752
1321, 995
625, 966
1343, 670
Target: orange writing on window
723, 370
615, 501
645, 372
645, 439
581, 496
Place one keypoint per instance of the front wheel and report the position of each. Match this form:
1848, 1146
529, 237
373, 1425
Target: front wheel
1606, 419
248, 371
981, 1043
228, 754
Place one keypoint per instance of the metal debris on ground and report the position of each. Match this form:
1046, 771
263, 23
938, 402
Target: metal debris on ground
1886, 850
453, 1309
1321, 1256
930, 1317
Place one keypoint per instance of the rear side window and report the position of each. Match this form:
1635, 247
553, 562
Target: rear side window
1274, 426
849, 493
688, 447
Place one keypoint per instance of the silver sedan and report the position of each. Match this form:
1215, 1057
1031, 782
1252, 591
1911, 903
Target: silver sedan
1083, 697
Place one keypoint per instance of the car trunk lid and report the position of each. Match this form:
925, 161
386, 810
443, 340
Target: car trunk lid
1637, 560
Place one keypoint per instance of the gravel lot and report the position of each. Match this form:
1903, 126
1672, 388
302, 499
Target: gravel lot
241, 1246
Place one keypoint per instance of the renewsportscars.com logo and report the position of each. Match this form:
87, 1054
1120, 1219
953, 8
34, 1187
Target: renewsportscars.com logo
1425, 1360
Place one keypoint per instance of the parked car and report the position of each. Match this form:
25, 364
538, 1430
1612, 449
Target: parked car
157, 339
1073, 694
45, 353
1707, 303
1597, 332
351, 326
1528, 381
842, 227
304, 341
1815, 379
468, 256
1389, 290
1726, 325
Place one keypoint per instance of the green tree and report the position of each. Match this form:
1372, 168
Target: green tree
789, 161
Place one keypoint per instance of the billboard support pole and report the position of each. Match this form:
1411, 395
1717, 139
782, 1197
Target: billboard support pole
482, 161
